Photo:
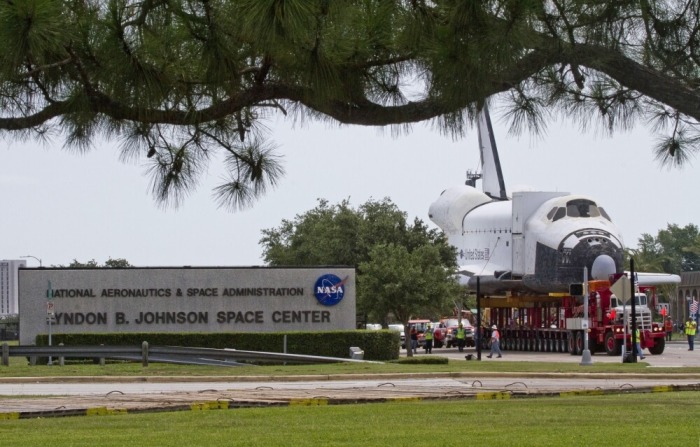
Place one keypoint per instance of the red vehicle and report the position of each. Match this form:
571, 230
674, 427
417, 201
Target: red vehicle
451, 324
439, 332
556, 323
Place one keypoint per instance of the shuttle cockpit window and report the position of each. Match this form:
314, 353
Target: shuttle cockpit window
557, 213
604, 214
582, 208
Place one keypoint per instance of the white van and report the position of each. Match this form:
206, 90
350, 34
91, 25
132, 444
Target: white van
399, 328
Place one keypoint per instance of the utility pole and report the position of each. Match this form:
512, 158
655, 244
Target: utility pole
634, 313
478, 319
50, 315
586, 358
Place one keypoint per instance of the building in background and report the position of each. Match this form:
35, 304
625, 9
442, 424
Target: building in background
689, 296
9, 293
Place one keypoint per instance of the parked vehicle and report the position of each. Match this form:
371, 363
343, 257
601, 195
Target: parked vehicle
439, 332
373, 327
399, 328
451, 324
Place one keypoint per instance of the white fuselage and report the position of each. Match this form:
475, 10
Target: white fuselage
537, 242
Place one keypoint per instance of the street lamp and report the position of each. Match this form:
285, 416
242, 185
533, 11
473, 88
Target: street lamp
30, 256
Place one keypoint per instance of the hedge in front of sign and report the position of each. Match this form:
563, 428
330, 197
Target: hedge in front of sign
377, 345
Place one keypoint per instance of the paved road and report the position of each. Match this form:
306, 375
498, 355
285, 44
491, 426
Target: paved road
105, 398
676, 354
467, 381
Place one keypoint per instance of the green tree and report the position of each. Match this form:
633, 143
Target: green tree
92, 264
402, 269
324, 235
647, 256
9, 326
180, 81
117, 263
674, 250
406, 283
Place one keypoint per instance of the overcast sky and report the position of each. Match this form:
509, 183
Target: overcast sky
59, 206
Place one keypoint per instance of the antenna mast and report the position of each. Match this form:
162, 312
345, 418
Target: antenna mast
472, 177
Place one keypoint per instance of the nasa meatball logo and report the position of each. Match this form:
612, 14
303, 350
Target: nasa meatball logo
330, 289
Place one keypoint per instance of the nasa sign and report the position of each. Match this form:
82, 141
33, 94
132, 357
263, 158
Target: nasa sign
330, 289
206, 299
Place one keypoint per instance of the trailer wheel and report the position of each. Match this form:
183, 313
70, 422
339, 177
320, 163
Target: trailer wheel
612, 346
576, 343
572, 343
579, 342
658, 347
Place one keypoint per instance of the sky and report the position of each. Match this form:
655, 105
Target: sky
59, 206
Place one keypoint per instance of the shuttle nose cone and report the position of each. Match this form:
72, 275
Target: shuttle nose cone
603, 267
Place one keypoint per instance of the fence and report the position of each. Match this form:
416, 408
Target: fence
165, 354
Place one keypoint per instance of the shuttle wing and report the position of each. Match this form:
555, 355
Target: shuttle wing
493, 279
488, 272
476, 269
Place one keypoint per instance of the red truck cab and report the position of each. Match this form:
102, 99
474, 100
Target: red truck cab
439, 332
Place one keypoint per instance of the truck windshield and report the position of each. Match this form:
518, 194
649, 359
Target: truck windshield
640, 299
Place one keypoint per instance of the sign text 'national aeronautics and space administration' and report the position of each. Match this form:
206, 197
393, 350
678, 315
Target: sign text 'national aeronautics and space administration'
215, 299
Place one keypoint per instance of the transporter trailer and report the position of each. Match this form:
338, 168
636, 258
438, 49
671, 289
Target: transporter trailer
555, 322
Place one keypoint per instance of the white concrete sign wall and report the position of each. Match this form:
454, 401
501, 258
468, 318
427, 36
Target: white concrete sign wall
197, 299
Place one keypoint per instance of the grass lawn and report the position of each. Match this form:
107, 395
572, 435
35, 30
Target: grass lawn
19, 368
662, 419
612, 420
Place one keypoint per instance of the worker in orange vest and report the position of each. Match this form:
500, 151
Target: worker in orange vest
668, 327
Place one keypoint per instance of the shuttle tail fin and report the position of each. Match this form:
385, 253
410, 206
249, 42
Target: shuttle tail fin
492, 181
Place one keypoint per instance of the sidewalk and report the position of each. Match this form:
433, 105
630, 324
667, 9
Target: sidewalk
675, 355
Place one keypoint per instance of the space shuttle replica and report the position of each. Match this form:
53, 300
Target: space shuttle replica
535, 242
